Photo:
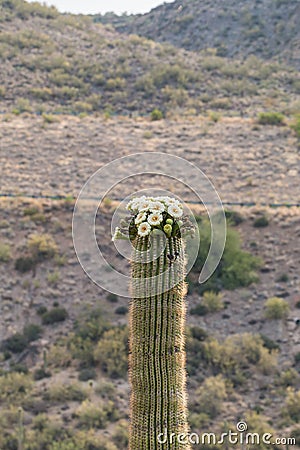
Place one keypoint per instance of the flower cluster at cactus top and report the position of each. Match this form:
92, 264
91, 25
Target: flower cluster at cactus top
155, 212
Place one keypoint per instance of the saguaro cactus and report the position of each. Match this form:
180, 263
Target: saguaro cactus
158, 407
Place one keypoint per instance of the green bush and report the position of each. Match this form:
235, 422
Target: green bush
270, 118
212, 301
289, 377
113, 298
199, 310
91, 325
111, 352
238, 354
25, 264
41, 247
237, 267
120, 436
14, 386
4, 252
156, 114
261, 222
57, 314
296, 126
198, 333
15, 343
283, 278
95, 416
233, 217
87, 374
41, 310
62, 393
295, 434
210, 396
276, 308
292, 404
269, 343
121, 310
32, 332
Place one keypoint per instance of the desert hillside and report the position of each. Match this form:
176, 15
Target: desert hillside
53, 63
268, 29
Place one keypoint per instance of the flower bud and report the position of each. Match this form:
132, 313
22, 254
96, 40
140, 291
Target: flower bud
168, 229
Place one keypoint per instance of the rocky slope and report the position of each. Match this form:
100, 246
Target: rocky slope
265, 28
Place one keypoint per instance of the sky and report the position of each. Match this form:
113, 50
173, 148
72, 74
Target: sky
103, 6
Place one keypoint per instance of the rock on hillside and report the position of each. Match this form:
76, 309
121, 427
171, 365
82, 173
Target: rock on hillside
265, 28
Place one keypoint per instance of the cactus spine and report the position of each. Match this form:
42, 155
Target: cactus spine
157, 354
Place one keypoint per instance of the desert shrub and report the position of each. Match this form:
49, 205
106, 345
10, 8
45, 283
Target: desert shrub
111, 352
50, 118
56, 314
115, 83
65, 392
20, 368
292, 404
238, 354
270, 118
269, 343
43, 93
214, 116
41, 247
113, 298
96, 416
31, 210
276, 308
237, 267
210, 396
120, 435
82, 439
53, 278
296, 126
41, 310
297, 357
212, 301
5, 254
258, 423
156, 114
59, 356
199, 310
295, 434
91, 325
22, 105
198, 333
196, 356
283, 278
15, 343
14, 386
32, 332
233, 217
106, 389
261, 222
25, 263
121, 310
26, 10
289, 377
83, 351
87, 374
41, 373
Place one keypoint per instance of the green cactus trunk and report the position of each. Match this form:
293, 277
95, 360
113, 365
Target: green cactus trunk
157, 349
